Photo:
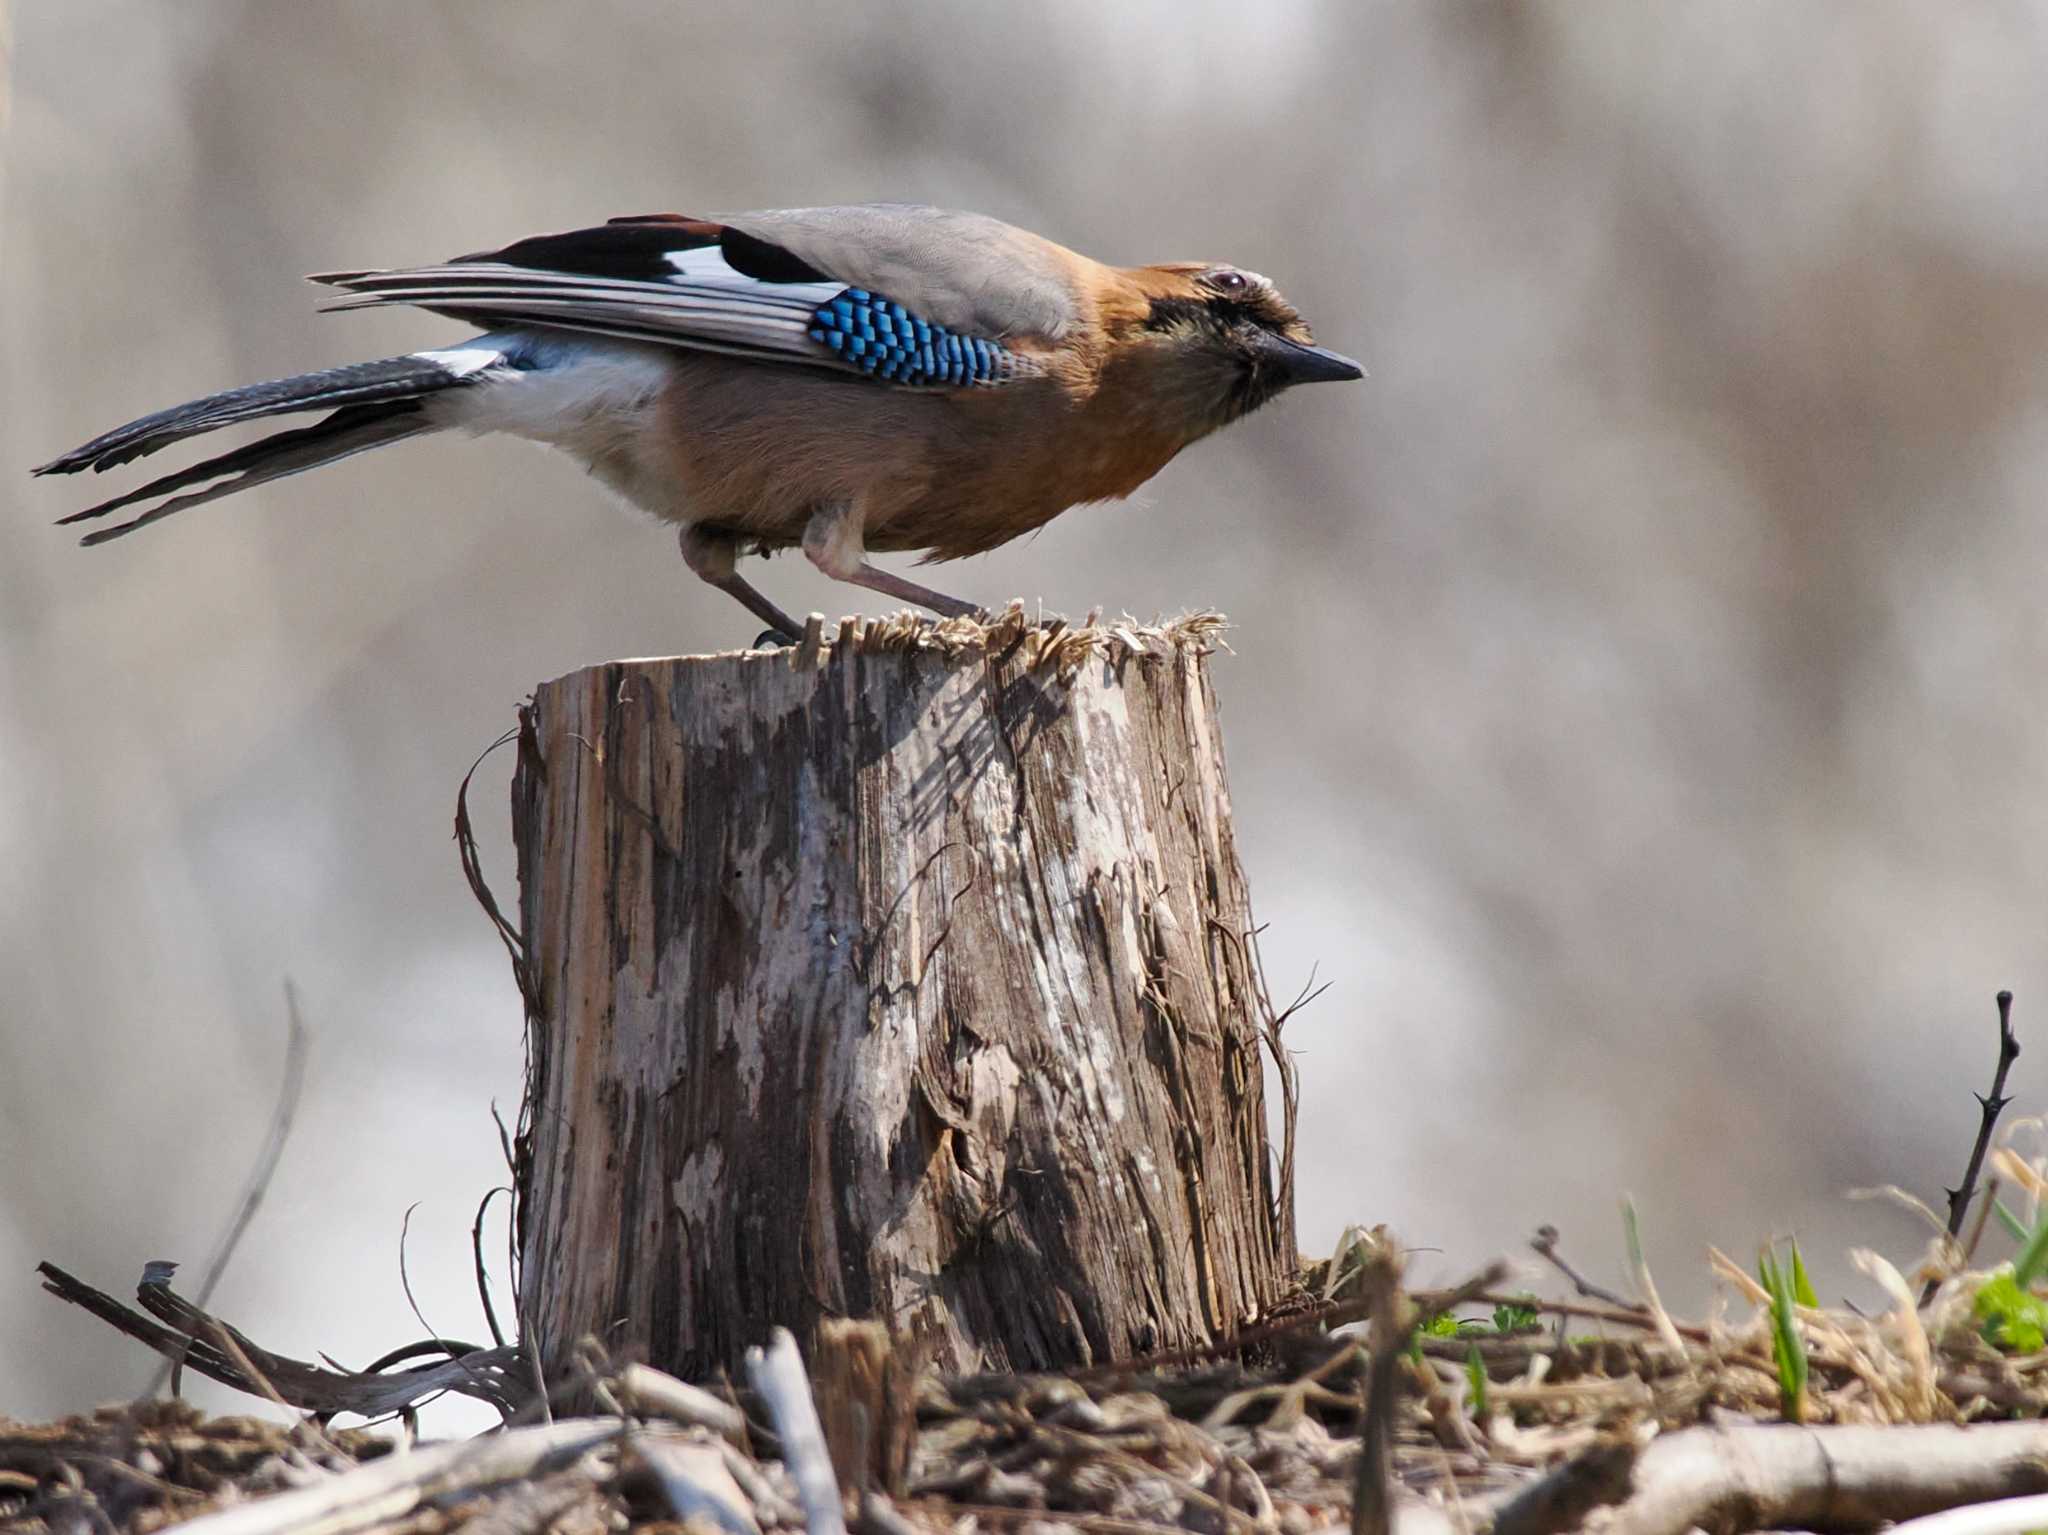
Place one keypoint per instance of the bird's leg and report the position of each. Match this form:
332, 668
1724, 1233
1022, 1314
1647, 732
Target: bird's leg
713, 557
833, 542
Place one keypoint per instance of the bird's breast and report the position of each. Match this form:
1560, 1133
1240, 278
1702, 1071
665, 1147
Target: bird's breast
759, 448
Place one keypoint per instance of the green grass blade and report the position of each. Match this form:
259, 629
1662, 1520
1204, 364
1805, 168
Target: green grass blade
1802, 1287
2026, 1268
2014, 1226
1787, 1350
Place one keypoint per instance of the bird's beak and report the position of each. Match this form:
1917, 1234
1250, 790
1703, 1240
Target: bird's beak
1300, 364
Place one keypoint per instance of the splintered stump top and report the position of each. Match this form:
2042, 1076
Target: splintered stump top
906, 975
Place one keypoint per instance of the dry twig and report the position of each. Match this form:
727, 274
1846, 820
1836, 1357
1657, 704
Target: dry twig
778, 1375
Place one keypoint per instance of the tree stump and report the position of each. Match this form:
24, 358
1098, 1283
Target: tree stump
904, 975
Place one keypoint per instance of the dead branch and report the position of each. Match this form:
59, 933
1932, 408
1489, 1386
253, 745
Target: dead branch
180, 1330
1786, 1476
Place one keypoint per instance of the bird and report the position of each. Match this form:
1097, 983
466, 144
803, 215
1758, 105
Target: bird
880, 377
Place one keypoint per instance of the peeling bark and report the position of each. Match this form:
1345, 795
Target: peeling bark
902, 977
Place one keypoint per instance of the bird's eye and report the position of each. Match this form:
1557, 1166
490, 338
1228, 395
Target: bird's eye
1224, 280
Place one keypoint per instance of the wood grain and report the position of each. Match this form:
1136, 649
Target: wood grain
903, 975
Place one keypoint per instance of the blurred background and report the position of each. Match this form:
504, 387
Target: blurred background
1636, 709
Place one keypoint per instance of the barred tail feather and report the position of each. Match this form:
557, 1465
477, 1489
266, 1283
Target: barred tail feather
362, 383
380, 402
350, 430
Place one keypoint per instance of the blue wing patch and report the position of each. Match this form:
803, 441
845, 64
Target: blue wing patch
889, 342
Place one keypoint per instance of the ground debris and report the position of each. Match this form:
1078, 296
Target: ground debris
140, 1468
1489, 1412
1265, 1443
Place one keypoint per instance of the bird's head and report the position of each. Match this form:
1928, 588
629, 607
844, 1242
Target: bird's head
1221, 341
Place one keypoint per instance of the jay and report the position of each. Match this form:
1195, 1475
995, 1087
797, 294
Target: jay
881, 377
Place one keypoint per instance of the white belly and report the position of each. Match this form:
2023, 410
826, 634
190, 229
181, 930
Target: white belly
590, 397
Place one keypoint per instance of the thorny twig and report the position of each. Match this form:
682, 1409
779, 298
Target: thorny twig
1991, 1105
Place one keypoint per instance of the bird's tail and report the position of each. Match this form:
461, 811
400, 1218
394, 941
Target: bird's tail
377, 403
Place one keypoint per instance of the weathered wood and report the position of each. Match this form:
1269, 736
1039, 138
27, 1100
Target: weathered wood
905, 976
849, 1367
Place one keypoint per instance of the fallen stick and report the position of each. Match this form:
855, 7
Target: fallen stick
655, 1392
1784, 1476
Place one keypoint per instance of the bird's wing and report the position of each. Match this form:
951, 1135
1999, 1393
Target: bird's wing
913, 297
967, 271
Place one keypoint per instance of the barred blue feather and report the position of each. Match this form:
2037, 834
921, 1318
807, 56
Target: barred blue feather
886, 340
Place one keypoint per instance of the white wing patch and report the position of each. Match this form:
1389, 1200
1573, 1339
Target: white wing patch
465, 360
700, 261
705, 266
